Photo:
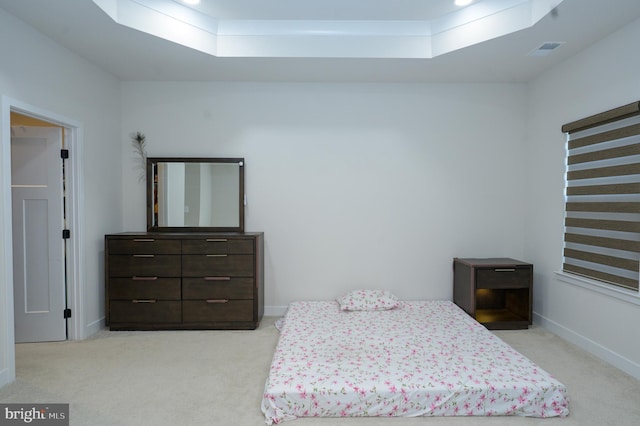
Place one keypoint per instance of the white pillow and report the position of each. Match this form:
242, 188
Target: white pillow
368, 300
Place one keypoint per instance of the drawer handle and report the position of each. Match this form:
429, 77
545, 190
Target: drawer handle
217, 278
143, 255
217, 240
144, 278
144, 240
144, 301
216, 255
217, 300
505, 269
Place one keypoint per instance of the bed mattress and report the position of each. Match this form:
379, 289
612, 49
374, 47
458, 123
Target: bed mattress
423, 358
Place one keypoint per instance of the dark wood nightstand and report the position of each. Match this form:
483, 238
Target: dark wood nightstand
497, 292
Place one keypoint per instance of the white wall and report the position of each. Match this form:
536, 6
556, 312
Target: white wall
354, 185
37, 72
604, 76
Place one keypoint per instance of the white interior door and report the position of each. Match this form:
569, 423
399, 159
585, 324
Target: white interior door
38, 221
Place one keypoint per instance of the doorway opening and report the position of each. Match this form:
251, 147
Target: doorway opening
74, 222
38, 157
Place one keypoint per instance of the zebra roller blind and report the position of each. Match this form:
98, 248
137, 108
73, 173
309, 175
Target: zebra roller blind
602, 208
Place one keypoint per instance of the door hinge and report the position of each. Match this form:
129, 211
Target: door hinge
64, 154
67, 313
66, 234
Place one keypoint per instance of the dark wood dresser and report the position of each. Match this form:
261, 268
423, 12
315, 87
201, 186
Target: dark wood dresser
171, 281
497, 292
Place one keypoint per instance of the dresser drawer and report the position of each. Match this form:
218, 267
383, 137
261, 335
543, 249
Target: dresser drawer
217, 288
218, 265
144, 246
145, 311
215, 310
145, 288
144, 265
503, 277
218, 246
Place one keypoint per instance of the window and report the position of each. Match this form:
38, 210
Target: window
602, 208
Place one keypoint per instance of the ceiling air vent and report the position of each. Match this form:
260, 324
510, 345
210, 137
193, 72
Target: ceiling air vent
546, 48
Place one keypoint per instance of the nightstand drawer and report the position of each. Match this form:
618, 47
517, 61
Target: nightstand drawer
213, 310
144, 288
503, 277
145, 311
145, 265
217, 288
216, 245
231, 265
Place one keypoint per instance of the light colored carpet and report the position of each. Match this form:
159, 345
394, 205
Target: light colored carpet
217, 378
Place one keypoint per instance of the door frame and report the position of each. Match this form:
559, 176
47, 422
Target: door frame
75, 221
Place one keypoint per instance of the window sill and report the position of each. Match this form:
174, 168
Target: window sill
629, 296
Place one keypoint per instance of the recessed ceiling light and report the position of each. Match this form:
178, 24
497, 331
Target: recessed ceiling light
191, 1
463, 2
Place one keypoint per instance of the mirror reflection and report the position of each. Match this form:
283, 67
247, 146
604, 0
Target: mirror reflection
204, 194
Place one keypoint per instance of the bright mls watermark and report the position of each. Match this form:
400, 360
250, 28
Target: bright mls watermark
36, 414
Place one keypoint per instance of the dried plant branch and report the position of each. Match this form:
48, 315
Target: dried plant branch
139, 140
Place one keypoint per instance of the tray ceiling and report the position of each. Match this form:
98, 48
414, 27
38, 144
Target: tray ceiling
404, 41
328, 28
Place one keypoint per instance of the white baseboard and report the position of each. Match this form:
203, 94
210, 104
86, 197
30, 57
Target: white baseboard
93, 327
607, 355
6, 377
275, 311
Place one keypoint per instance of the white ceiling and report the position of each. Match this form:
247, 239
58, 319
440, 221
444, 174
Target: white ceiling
327, 40
409, 29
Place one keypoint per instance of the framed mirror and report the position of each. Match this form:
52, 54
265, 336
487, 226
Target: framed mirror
195, 194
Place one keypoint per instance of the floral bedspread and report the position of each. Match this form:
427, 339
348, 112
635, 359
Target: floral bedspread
426, 358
